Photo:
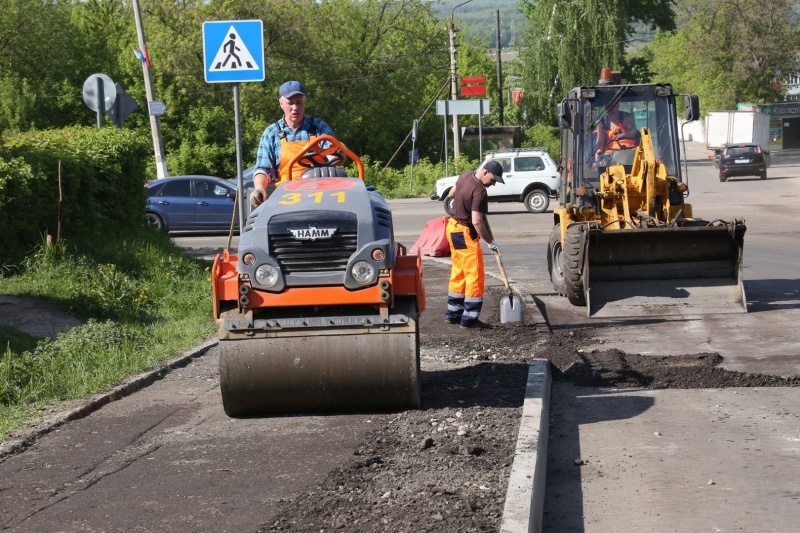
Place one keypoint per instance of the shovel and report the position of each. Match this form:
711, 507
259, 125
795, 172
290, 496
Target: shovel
509, 313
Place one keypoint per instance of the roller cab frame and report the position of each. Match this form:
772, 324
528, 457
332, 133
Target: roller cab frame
319, 309
625, 243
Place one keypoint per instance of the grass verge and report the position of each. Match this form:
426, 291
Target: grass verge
142, 301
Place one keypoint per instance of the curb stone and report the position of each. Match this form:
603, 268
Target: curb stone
524, 506
27, 437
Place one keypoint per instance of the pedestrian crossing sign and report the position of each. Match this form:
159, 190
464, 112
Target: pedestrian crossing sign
233, 51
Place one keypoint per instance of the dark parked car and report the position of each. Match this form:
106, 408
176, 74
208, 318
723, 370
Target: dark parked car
743, 159
190, 203
247, 179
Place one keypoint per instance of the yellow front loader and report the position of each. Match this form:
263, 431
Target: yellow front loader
625, 243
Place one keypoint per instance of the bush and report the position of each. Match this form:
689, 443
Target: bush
546, 136
102, 173
396, 183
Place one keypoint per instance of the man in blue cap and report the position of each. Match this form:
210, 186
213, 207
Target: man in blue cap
283, 139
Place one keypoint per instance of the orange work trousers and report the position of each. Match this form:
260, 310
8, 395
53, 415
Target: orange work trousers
465, 291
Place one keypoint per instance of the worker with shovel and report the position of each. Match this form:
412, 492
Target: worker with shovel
465, 229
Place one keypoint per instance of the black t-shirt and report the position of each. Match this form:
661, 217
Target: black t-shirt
470, 196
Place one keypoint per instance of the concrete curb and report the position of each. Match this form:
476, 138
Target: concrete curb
524, 507
28, 436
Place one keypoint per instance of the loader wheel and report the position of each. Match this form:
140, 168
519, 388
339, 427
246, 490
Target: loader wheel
154, 221
537, 201
573, 265
555, 260
448, 205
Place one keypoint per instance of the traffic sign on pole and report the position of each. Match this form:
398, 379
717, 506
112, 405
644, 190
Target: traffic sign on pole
233, 51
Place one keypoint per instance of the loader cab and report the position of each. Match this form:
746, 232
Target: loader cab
585, 110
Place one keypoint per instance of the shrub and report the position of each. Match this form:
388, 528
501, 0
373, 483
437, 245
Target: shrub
102, 173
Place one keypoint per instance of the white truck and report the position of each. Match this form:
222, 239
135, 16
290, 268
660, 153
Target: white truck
727, 127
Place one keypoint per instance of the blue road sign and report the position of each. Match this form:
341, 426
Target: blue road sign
233, 51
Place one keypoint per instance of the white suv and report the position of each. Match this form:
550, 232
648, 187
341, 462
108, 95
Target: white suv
530, 176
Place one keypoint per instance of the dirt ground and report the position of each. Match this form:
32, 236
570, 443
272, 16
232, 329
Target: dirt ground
445, 467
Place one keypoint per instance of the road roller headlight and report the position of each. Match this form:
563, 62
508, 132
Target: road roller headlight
363, 272
267, 275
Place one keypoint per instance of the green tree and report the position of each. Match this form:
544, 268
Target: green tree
568, 43
729, 51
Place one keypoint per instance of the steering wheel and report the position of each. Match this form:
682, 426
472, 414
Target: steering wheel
312, 156
323, 158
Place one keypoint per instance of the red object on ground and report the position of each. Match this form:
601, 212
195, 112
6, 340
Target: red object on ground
433, 240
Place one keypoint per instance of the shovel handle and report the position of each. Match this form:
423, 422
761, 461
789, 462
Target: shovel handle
502, 270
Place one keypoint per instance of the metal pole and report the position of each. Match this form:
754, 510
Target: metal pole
239, 176
446, 156
101, 102
454, 91
155, 127
454, 81
480, 131
499, 67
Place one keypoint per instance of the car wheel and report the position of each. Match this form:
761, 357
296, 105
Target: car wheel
154, 221
537, 201
722, 177
763, 174
448, 205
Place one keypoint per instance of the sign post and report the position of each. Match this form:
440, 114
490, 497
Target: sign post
413, 154
233, 52
99, 94
464, 107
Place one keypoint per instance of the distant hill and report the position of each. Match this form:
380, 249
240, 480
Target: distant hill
479, 16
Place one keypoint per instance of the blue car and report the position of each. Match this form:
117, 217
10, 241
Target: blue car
186, 203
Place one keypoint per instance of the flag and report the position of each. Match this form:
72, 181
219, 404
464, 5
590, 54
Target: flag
142, 56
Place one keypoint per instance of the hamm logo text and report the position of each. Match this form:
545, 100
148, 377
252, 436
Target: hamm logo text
312, 233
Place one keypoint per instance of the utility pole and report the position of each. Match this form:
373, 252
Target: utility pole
155, 126
499, 67
454, 81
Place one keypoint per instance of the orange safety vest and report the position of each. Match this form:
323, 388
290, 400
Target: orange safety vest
618, 143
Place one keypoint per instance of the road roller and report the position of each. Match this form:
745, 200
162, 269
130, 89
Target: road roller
318, 310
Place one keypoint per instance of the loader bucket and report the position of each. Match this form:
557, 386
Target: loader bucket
689, 270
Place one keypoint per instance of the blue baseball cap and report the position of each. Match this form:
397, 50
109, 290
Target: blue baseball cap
291, 88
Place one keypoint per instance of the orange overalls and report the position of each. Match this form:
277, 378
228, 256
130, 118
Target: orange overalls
465, 291
288, 151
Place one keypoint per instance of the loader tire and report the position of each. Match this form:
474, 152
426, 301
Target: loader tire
555, 260
573, 265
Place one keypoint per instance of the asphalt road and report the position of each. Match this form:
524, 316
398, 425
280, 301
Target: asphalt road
177, 435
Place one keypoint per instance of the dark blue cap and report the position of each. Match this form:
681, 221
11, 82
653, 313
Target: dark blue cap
291, 88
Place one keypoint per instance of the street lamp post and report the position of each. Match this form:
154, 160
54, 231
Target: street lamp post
454, 81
